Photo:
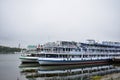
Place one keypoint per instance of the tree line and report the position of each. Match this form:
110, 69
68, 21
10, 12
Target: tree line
4, 49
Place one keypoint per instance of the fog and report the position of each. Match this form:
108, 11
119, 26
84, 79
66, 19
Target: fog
39, 21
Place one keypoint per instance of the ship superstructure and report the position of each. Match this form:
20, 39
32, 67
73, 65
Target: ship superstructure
71, 52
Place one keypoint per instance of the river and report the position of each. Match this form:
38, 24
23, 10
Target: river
12, 69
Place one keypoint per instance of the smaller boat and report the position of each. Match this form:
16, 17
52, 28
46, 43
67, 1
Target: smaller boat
31, 54
29, 57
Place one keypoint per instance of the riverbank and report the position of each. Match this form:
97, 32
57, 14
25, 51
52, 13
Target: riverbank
114, 76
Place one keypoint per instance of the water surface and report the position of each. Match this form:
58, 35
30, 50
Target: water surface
12, 69
9, 69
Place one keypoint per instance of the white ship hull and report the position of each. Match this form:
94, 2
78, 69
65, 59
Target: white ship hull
70, 62
25, 59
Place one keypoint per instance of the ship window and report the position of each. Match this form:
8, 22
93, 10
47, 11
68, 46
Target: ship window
72, 56
60, 56
63, 49
79, 49
80, 56
42, 55
51, 55
64, 56
76, 56
84, 56
68, 49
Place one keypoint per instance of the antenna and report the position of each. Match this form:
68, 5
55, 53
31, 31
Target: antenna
19, 45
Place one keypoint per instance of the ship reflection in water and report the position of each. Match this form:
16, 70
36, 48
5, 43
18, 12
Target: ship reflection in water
66, 72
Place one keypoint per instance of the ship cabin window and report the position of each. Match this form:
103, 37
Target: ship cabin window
38, 54
75, 56
72, 56
80, 56
42, 55
51, 55
94, 56
67, 49
118, 50
79, 49
102, 55
63, 49
64, 56
98, 55
91, 55
85, 56
76, 50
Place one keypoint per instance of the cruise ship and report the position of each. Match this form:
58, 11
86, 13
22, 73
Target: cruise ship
71, 52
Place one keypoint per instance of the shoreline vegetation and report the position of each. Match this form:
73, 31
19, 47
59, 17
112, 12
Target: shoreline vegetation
113, 76
6, 49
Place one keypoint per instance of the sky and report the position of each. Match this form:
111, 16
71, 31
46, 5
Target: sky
32, 22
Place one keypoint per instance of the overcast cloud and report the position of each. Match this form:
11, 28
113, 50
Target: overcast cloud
39, 21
